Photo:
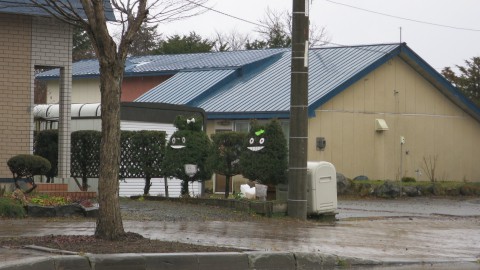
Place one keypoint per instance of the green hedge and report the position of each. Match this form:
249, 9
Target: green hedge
85, 155
46, 145
142, 154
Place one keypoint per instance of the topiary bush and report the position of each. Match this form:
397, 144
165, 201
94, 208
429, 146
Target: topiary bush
11, 208
27, 166
265, 155
188, 145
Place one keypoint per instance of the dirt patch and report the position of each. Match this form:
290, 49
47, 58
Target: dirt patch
131, 243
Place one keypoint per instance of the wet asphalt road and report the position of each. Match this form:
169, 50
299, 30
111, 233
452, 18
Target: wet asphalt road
404, 230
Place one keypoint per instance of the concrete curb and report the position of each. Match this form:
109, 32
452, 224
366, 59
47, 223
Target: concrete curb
195, 261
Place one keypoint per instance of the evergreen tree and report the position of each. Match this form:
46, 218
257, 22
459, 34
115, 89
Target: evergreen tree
82, 46
188, 145
225, 155
265, 155
468, 81
192, 43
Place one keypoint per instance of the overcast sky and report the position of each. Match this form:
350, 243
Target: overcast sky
353, 22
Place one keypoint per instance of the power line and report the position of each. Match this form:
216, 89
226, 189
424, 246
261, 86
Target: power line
405, 19
228, 15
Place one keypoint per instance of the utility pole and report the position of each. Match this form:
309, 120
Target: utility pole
298, 141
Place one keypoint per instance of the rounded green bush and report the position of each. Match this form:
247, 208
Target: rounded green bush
28, 166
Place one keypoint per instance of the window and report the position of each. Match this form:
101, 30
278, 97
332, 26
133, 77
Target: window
242, 126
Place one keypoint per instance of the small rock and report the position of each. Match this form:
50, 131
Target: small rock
343, 184
360, 178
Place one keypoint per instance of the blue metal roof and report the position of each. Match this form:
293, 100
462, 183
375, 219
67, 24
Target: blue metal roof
263, 90
178, 90
26, 7
267, 89
256, 84
152, 65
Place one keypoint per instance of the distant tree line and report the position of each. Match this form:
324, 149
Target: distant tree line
276, 33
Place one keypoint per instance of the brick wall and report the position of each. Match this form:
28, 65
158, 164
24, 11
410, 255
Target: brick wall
52, 46
26, 42
15, 80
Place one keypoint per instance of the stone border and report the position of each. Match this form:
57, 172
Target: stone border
214, 261
187, 261
248, 260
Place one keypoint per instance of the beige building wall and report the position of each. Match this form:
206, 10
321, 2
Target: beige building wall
15, 90
433, 128
85, 91
27, 42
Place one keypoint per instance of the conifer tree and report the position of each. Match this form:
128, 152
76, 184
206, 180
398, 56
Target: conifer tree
225, 155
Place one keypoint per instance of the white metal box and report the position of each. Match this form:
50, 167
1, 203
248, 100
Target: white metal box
321, 188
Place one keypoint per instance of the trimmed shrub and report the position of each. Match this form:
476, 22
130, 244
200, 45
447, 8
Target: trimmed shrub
265, 155
11, 208
46, 145
188, 145
85, 156
28, 166
141, 155
145, 156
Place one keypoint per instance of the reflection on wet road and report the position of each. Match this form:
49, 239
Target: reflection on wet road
395, 232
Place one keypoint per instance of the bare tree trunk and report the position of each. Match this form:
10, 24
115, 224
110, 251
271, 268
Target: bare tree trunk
109, 221
227, 185
148, 184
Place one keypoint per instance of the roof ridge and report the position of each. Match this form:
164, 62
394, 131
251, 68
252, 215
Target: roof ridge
337, 46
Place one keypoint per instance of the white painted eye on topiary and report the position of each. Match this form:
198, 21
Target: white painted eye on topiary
178, 143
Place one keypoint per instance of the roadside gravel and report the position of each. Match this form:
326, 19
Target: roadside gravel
144, 210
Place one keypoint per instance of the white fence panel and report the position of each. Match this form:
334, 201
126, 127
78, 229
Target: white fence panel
134, 186
136, 125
